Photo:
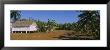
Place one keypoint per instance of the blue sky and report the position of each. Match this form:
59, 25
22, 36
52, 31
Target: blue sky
60, 16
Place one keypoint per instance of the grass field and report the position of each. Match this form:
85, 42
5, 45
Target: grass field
39, 35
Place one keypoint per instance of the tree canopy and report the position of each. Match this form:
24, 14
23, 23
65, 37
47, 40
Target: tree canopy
15, 15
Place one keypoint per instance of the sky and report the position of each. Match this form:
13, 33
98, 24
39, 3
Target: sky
60, 16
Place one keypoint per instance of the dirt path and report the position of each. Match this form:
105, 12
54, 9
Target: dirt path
38, 36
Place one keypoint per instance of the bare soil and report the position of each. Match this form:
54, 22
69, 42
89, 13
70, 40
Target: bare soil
39, 35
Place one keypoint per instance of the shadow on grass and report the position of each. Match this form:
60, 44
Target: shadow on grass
72, 36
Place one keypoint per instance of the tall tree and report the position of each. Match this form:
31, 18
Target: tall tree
89, 21
15, 15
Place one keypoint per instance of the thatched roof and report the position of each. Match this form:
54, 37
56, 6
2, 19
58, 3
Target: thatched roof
24, 23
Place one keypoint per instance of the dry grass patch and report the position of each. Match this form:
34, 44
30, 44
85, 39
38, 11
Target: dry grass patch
38, 35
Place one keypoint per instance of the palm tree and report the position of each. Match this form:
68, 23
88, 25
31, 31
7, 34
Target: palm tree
15, 15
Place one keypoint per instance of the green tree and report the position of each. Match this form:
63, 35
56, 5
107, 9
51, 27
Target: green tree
51, 24
15, 15
42, 26
89, 22
46, 26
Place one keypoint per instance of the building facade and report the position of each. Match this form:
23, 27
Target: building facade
25, 26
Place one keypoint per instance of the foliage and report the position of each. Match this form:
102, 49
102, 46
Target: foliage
42, 26
87, 26
15, 15
46, 26
66, 26
50, 24
90, 20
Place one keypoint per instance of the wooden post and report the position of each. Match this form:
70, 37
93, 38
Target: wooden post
26, 32
21, 31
